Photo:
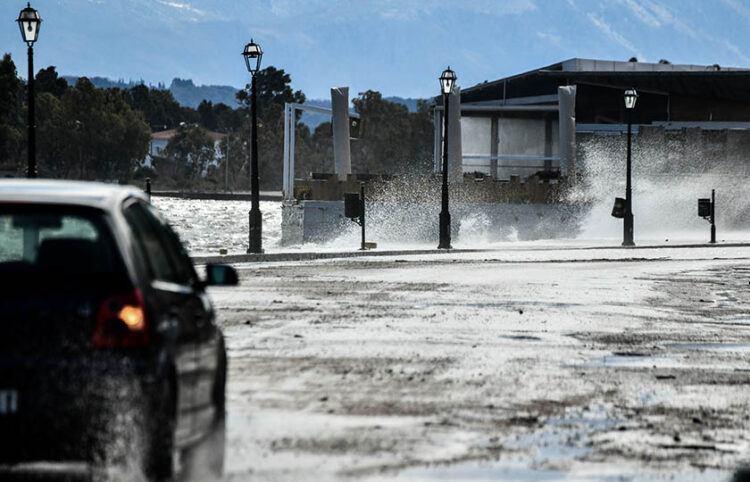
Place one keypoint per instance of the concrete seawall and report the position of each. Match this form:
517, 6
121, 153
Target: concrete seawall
219, 196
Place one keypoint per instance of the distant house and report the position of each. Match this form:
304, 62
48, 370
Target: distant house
160, 139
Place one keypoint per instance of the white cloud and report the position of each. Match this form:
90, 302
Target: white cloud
281, 8
735, 50
665, 16
183, 6
642, 14
739, 8
614, 36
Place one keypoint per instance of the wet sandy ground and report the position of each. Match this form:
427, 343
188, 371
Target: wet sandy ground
525, 365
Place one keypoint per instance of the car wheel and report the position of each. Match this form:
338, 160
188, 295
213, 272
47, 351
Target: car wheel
159, 431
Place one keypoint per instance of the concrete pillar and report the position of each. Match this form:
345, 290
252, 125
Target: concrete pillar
566, 97
341, 148
455, 157
493, 147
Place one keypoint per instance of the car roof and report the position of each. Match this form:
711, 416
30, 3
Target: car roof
70, 193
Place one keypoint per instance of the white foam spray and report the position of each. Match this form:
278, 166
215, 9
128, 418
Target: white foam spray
665, 193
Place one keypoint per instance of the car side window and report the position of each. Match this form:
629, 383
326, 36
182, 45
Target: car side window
178, 257
165, 253
147, 238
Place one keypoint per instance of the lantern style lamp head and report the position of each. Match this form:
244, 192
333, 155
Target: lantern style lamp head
29, 22
252, 54
630, 97
447, 81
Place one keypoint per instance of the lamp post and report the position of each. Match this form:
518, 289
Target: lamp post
29, 23
447, 81
253, 54
630, 97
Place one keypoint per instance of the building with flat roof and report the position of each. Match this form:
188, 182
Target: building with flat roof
528, 123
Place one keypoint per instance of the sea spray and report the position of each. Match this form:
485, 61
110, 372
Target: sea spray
666, 188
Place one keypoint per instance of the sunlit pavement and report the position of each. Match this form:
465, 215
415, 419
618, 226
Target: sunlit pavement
541, 362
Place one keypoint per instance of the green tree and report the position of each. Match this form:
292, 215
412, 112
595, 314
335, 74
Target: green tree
188, 154
421, 140
273, 90
228, 119
207, 115
160, 110
11, 121
47, 80
53, 137
273, 87
90, 133
384, 147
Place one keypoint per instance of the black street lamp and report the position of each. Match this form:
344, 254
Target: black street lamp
447, 81
29, 23
253, 54
630, 97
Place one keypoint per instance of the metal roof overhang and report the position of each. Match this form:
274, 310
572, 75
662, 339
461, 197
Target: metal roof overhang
726, 85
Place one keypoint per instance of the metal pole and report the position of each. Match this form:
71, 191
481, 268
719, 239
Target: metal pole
445, 216
31, 164
256, 242
628, 220
362, 213
713, 216
226, 166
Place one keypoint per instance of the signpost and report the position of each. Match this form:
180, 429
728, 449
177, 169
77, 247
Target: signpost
618, 210
354, 209
707, 210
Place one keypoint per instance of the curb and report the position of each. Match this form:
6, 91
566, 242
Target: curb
310, 256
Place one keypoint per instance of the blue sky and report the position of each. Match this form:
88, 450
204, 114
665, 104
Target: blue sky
398, 47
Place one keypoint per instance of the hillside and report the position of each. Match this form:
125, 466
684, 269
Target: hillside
190, 95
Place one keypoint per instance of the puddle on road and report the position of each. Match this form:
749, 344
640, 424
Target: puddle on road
737, 321
725, 299
633, 360
521, 337
516, 471
716, 347
559, 442
476, 471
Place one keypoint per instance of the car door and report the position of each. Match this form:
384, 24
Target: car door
208, 340
175, 303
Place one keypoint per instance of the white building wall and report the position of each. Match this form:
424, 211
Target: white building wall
476, 140
524, 146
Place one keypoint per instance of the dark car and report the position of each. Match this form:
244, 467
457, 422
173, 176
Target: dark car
109, 354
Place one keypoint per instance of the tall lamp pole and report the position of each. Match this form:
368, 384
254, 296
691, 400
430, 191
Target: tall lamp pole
447, 81
253, 54
29, 23
630, 97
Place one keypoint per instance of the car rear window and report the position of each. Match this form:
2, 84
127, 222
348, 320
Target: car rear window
56, 241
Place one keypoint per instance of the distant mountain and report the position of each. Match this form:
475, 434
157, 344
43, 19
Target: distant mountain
191, 95
184, 91
105, 83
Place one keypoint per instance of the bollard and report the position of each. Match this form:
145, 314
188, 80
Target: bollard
707, 210
713, 216
148, 188
354, 209
362, 213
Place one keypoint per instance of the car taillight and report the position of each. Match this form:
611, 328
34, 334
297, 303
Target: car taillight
121, 321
